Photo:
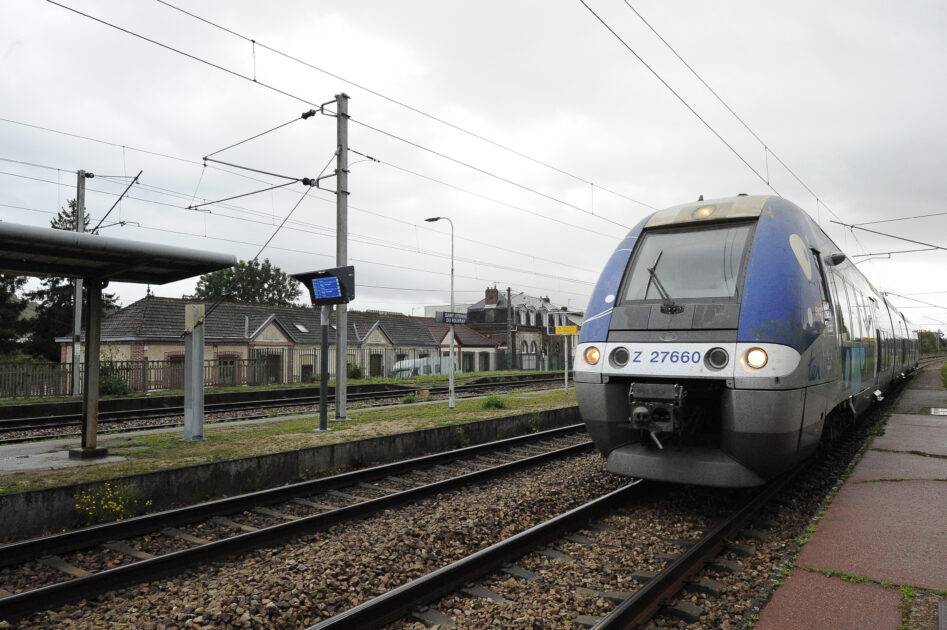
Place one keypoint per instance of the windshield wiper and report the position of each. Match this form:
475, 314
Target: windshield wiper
668, 305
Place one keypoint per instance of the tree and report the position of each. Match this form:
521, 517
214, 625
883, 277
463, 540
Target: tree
55, 297
249, 282
11, 309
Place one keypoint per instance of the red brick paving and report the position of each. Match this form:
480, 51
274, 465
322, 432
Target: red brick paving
892, 531
812, 601
882, 465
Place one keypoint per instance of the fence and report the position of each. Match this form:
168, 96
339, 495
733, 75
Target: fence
266, 366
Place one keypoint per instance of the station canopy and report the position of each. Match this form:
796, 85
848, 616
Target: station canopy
35, 251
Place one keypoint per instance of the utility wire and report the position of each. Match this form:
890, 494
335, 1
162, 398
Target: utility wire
326, 232
900, 238
679, 97
95, 230
307, 114
919, 216
404, 105
308, 102
485, 172
765, 146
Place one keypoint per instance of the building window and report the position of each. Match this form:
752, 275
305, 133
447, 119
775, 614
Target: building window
532, 347
525, 348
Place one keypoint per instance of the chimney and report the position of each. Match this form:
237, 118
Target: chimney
492, 296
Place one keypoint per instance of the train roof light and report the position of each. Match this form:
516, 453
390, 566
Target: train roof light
703, 212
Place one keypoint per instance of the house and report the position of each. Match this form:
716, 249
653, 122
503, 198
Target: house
247, 343
527, 323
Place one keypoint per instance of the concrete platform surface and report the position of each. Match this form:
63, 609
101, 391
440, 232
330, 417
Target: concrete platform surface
886, 527
812, 601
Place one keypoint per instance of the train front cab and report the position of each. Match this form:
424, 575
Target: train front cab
720, 365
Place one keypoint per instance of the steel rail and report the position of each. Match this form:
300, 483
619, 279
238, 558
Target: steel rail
28, 602
62, 420
19, 552
398, 602
646, 601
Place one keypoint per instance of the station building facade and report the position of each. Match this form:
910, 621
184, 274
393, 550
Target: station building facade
246, 343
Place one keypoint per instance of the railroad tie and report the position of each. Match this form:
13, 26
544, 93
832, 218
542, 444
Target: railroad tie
518, 571
226, 522
342, 495
586, 621
433, 617
61, 565
128, 550
265, 511
177, 533
723, 566
311, 504
557, 555
742, 549
475, 590
683, 609
579, 539
706, 586
370, 486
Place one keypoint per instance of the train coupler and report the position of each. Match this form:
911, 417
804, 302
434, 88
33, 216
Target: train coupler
656, 408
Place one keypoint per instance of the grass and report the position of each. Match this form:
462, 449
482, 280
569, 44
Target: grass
162, 451
943, 374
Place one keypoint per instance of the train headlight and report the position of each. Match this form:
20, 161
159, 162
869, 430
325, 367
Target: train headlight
756, 358
592, 355
620, 357
717, 358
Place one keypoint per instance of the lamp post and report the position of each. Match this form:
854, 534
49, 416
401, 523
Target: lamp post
450, 402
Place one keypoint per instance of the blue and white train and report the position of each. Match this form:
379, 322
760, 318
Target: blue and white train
725, 337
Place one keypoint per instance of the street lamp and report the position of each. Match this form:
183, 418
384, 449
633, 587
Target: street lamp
450, 402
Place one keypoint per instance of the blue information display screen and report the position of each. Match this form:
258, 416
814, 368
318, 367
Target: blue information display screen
327, 287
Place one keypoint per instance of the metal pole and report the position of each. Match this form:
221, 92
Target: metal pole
509, 328
324, 370
77, 300
90, 389
194, 372
567, 340
341, 247
451, 402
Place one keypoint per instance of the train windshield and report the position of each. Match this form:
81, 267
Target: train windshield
688, 263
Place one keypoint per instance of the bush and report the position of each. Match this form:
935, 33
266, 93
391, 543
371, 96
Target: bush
354, 371
112, 380
410, 398
494, 402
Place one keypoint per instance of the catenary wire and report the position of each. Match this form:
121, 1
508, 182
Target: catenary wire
678, 96
765, 146
355, 237
405, 105
308, 102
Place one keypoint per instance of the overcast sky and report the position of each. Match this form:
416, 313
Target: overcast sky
578, 139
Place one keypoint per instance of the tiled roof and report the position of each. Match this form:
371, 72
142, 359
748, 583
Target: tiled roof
153, 318
466, 336
518, 300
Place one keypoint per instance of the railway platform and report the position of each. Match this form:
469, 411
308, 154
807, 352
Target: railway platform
882, 541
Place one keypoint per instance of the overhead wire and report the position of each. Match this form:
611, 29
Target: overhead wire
360, 238
399, 103
678, 96
308, 102
766, 147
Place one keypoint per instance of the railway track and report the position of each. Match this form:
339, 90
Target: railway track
417, 599
218, 529
247, 409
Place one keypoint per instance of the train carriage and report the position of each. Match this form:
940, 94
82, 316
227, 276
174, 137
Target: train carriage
724, 337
